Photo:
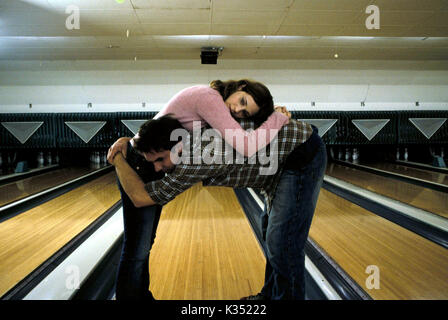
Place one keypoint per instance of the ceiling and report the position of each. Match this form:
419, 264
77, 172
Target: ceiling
249, 29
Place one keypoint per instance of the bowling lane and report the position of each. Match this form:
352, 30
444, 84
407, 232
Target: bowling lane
23, 188
205, 248
426, 175
29, 239
410, 267
414, 195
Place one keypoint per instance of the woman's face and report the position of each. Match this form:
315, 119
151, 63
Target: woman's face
241, 105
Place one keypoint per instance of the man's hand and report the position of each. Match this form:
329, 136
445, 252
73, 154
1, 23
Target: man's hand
283, 110
113, 160
120, 146
131, 182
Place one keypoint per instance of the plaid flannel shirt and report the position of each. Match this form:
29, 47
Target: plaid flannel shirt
229, 168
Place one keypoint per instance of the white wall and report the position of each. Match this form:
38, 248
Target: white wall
68, 86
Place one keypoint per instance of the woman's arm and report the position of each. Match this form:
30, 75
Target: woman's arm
212, 109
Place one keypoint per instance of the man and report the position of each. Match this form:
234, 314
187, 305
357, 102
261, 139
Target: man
290, 181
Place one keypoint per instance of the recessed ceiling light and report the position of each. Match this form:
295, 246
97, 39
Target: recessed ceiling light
349, 38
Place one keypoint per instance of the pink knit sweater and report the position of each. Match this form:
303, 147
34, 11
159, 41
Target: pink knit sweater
204, 104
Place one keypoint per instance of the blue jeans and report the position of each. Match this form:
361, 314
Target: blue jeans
140, 225
286, 228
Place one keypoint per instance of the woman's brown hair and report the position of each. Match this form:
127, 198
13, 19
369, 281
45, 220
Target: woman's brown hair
259, 92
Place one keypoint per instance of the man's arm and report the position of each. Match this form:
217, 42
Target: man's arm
121, 145
131, 182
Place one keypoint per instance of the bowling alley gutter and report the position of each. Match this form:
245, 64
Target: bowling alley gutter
102, 239
16, 176
12, 209
331, 280
422, 166
427, 184
424, 223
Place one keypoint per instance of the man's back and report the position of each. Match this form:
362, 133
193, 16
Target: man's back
207, 158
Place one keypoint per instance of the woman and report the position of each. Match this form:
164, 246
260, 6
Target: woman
216, 105
210, 105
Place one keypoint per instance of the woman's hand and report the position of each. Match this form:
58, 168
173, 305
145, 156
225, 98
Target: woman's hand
121, 145
283, 110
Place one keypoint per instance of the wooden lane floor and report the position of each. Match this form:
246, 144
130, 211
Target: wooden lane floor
426, 175
414, 195
30, 238
205, 248
410, 267
20, 189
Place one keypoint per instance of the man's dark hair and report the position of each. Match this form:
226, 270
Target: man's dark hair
154, 135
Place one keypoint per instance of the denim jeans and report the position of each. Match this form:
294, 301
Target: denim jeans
286, 227
140, 225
